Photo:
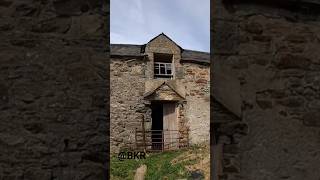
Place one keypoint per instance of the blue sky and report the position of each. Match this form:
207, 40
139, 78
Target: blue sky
187, 22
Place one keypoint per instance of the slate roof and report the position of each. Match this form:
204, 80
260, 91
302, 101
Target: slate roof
125, 50
136, 50
195, 56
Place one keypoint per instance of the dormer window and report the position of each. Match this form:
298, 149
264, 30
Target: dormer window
163, 66
162, 69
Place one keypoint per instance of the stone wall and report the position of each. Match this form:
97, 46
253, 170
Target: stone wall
228, 131
127, 82
271, 51
54, 87
162, 44
197, 86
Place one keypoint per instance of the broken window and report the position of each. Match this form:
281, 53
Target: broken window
163, 66
162, 69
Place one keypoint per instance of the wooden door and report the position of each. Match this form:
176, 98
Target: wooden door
170, 126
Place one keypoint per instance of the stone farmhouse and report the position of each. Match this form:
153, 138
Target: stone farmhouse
160, 96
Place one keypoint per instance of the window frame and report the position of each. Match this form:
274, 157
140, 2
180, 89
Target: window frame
166, 67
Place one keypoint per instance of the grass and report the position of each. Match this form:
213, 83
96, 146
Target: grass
159, 167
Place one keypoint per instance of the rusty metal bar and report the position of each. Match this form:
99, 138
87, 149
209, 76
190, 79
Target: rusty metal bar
150, 145
162, 141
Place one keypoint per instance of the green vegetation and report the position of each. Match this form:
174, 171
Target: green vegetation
159, 166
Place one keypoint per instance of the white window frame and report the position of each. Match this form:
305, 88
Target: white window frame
167, 66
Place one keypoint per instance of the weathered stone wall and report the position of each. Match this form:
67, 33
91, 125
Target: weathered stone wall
53, 113
191, 81
271, 51
197, 111
129, 80
228, 132
127, 83
162, 44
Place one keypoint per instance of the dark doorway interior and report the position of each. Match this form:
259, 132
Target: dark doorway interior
157, 125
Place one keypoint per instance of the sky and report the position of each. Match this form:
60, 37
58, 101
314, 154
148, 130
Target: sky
187, 22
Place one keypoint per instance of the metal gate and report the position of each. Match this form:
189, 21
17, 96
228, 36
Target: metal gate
159, 140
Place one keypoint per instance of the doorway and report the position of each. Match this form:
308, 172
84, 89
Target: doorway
157, 125
164, 126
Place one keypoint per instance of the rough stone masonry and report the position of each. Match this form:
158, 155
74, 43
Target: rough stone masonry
266, 70
53, 89
134, 88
